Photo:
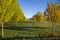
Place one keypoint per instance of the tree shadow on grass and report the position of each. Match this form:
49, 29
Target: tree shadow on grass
23, 28
38, 37
0, 37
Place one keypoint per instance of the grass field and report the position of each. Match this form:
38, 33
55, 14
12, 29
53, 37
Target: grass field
31, 31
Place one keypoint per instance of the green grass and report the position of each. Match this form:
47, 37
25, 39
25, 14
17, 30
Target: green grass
29, 29
30, 32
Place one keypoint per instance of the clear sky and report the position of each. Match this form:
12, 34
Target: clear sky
31, 7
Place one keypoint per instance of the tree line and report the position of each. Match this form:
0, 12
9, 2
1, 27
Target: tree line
52, 13
12, 12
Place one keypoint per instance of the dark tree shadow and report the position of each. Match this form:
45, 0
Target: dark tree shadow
23, 28
39, 36
0, 37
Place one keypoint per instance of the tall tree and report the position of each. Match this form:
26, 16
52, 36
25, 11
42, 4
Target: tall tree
52, 12
5, 12
19, 15
10, 9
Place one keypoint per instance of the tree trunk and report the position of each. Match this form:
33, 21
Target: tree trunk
16, 23
2, 30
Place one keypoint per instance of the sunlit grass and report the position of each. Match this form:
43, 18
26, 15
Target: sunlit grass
29, 29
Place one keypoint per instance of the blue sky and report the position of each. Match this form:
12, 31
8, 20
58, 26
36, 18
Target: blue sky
31, 7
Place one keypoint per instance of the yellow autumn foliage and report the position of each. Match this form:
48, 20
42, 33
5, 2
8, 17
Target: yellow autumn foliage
38, 17
53, 13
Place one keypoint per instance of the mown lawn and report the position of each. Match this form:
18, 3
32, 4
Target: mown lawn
34, 29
